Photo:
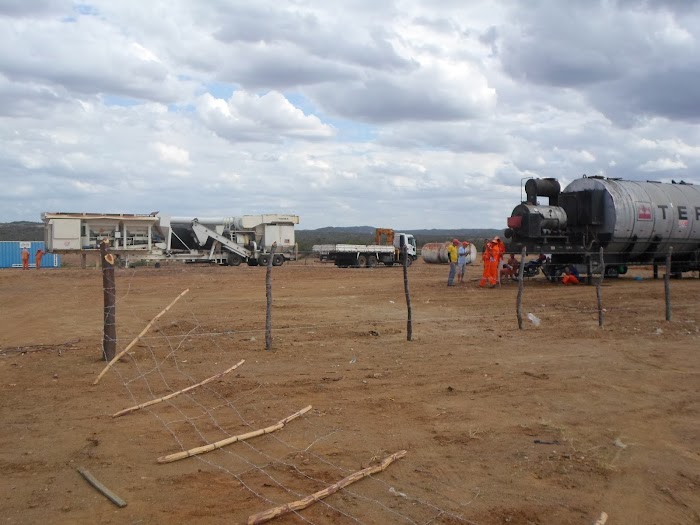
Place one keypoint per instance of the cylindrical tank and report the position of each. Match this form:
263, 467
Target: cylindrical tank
436, 253
549, 188
639, 217
553, 217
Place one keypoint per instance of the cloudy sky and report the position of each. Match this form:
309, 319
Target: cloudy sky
392, 113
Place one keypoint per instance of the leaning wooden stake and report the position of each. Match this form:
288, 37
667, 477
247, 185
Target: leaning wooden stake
598, 290
109, 339
262, 517
268, 293
667, 283
242, 437
132, 343
521, 279
184, 390
409, 322
111, 496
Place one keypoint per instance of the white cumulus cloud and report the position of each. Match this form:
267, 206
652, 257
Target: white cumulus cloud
250, 117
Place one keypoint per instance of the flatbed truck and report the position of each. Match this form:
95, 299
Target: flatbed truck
389, 252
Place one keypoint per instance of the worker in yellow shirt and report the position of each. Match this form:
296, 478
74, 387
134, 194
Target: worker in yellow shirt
452, 257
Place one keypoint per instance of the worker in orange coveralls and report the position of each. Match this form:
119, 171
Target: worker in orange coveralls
499, 252
25, 259
570, 275
489, 259
37, 258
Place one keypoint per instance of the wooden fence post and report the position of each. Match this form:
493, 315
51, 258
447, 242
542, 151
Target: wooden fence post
268, 291
109, 339
521, 279
409, 321
667, 283
598, 291
589, 269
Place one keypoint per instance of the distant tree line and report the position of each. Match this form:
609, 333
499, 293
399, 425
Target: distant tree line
22, 231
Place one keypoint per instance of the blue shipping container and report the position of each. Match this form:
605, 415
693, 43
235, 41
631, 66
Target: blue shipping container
11, 254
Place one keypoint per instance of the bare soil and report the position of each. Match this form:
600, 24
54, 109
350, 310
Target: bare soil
552, 424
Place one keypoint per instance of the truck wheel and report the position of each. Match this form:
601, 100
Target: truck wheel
252, 262
372, 261
409, 261
234, 259
361, 261
264, 260
611, 272
389, 263
278, 260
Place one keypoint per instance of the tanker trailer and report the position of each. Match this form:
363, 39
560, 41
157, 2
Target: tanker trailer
635, 222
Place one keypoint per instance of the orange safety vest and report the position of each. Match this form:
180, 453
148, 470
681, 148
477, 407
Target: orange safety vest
488, 252
496, 250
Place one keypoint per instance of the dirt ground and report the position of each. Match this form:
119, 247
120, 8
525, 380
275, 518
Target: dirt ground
552, 424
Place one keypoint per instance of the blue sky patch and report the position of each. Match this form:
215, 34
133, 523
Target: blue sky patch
219, 90
85, 9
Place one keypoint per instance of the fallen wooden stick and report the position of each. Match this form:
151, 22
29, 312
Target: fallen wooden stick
111, 496
262, 517
38, 347
602, 520
242, 437
132, 343
170, 396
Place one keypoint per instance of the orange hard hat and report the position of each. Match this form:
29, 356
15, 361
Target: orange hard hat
465, 243
455, 241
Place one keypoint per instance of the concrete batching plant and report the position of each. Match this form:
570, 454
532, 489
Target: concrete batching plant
229, 240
